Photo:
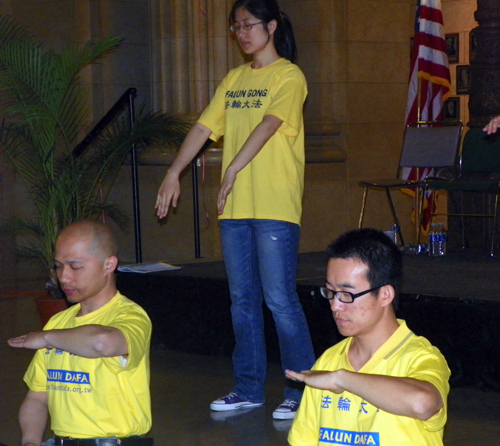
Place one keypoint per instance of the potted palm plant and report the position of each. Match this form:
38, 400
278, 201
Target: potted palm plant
44, 106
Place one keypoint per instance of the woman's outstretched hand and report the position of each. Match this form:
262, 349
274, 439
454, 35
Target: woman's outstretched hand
168, 194
225, 189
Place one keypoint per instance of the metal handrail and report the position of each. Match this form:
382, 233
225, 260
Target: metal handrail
125, 101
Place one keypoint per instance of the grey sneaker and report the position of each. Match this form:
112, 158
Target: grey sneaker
232, 402
286, 410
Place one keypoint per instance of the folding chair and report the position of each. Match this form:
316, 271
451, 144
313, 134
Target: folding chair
479, 172
425, 145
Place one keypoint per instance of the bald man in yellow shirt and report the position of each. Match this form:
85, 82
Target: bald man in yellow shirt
90, 372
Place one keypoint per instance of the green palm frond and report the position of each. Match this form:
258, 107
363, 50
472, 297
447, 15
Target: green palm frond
10, 30
43, 106
30, 234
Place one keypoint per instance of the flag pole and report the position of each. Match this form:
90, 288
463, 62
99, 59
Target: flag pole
423, 103
416, 202
419, 99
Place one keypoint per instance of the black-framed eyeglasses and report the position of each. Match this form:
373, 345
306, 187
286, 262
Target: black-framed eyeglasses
344, 296
244, 27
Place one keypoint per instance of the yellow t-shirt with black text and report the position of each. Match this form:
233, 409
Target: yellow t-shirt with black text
271, 186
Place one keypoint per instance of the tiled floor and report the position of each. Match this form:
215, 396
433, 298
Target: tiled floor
183, 385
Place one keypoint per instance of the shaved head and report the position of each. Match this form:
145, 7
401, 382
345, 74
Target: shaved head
85, 262
102, 241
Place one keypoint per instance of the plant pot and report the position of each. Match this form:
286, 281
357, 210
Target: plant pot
47, 307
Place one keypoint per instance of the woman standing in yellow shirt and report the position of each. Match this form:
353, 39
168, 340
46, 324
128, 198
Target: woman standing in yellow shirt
258, 109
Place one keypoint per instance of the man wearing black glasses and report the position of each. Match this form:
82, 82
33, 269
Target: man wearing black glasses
382, 385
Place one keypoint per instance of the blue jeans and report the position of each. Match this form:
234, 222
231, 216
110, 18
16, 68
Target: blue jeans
261, 262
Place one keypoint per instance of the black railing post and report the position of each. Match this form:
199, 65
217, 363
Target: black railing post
135, 185
196, 209
114, 111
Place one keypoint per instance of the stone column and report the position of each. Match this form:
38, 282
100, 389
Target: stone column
484, 100
190, 41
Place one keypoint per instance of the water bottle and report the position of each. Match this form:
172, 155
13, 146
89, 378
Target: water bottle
433, 240
437, 239
442, 239
395, 234
430, 236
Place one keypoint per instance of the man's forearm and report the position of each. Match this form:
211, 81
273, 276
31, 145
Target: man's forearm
33, 416
90, 341
398, 395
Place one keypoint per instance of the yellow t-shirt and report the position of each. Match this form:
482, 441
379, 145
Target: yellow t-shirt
97, 397
272, 184
326, 418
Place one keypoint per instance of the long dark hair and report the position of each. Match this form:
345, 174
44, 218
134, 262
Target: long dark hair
267, 10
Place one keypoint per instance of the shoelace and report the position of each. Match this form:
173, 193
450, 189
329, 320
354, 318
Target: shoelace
288, 404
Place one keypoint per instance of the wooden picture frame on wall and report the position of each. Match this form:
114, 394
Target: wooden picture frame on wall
463, 79
451, 108
472, 46
452, 47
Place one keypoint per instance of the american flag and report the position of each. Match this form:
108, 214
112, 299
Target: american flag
430, 82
